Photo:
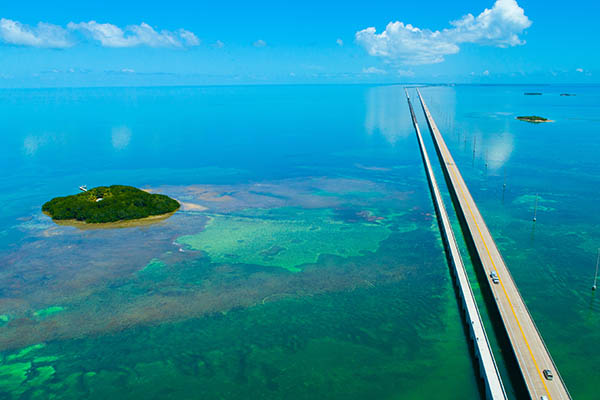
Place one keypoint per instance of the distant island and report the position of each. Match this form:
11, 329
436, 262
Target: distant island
534, 118
105, 204
532, 94
568, 94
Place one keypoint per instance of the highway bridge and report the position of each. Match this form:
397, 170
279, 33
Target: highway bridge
540, 375
494, 389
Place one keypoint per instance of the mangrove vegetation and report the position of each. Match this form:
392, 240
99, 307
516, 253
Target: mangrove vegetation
109, 204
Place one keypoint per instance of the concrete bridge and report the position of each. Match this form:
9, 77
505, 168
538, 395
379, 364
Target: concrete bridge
540, 375
483, 351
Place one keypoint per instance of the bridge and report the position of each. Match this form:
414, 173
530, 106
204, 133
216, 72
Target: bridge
488, 369
540, 375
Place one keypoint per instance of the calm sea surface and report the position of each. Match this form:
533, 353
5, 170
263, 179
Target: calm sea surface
305, 261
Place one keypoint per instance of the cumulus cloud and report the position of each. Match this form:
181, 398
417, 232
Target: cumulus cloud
42, 35
109, 35
579, 70
260, 43
499, 26
219, 45
339, 42
406, 43
189, 38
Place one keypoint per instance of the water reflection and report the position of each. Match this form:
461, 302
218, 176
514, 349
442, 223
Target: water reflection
387, 113
32, 143
121, 136
499, 150
442, 104
468, 135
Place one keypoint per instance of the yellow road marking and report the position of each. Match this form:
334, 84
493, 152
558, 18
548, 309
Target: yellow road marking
447, 153
506, 294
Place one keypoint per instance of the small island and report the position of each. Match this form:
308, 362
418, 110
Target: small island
532, 94
110, 204
534, 119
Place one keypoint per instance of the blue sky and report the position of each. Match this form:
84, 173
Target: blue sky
191, 42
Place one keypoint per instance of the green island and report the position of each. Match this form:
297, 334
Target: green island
105, 204
533, 118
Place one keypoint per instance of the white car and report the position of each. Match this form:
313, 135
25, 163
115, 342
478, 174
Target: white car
494, 277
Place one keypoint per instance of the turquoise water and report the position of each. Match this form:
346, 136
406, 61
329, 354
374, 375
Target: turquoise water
553, 259
358, 304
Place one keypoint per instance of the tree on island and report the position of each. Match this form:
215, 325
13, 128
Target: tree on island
533, 118
118, 203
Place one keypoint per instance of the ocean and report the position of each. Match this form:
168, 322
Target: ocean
305, 261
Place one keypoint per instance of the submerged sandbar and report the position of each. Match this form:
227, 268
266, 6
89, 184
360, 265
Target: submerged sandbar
154, 219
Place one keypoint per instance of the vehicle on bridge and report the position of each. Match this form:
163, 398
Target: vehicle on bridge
494, 277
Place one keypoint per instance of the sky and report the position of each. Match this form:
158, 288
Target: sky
83, 43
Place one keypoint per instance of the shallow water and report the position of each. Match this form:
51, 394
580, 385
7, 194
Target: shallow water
553, 259
220, 300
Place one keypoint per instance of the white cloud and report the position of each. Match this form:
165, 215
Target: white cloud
42, 35
486, 73
404, 72
499, 26
373, 70
219, 45
406, 43
110, 35
339, 42
579, 70
189, 38
128, 71
259, 43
